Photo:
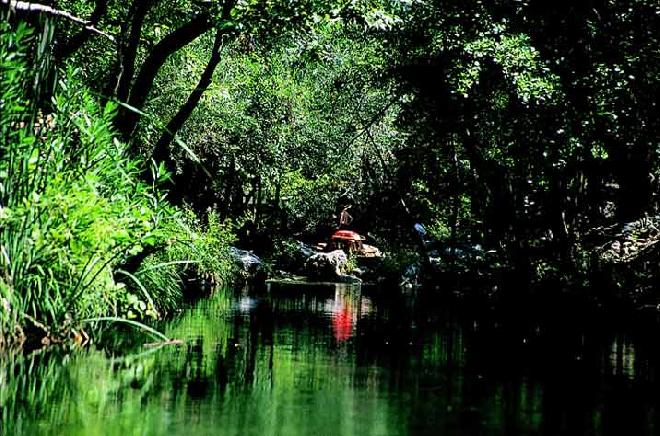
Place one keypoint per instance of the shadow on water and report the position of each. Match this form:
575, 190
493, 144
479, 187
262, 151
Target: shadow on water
339, 360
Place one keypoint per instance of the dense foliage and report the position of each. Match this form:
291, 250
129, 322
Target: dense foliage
75, 214
535, 123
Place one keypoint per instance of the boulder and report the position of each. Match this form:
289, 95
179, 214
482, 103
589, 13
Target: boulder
291, 255
326, 266
305, 250
248, 264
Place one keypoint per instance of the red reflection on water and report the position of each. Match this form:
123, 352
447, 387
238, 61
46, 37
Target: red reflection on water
346, 309
342, 323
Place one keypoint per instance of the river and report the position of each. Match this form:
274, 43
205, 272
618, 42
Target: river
337, 360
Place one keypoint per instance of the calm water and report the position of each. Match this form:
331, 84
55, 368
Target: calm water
340, 361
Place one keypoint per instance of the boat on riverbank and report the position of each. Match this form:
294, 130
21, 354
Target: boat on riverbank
351, 243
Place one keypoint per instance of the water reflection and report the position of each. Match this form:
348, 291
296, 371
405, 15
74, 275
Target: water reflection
328, 361
345, 310
622, 357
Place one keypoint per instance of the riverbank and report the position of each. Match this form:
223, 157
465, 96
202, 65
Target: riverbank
85, 234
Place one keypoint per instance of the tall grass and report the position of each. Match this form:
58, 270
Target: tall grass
73, 210
196, 255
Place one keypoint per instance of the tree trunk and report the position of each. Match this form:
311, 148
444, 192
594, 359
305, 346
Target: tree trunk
455, 201
499, 212
128, 119
129, 46
633, 170
257, 204
161, 151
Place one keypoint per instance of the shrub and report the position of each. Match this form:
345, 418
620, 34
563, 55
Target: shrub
191, 251
73, 210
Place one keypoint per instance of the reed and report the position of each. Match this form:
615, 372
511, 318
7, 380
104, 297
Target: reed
73, 208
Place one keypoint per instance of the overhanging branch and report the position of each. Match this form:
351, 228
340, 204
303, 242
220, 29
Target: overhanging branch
43, 9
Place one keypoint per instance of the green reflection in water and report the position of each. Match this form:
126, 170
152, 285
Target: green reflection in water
228, 378
330, 362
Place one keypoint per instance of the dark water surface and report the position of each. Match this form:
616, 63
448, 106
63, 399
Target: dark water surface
340, 361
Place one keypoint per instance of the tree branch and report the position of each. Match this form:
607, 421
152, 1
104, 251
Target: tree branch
161, 151
23, 6
66, 49
157, 57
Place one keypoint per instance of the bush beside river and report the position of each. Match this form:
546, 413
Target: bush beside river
82, 235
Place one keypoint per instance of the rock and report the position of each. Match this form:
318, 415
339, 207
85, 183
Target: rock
305, 250
248, 264
292, 255
326, 265
359, 272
